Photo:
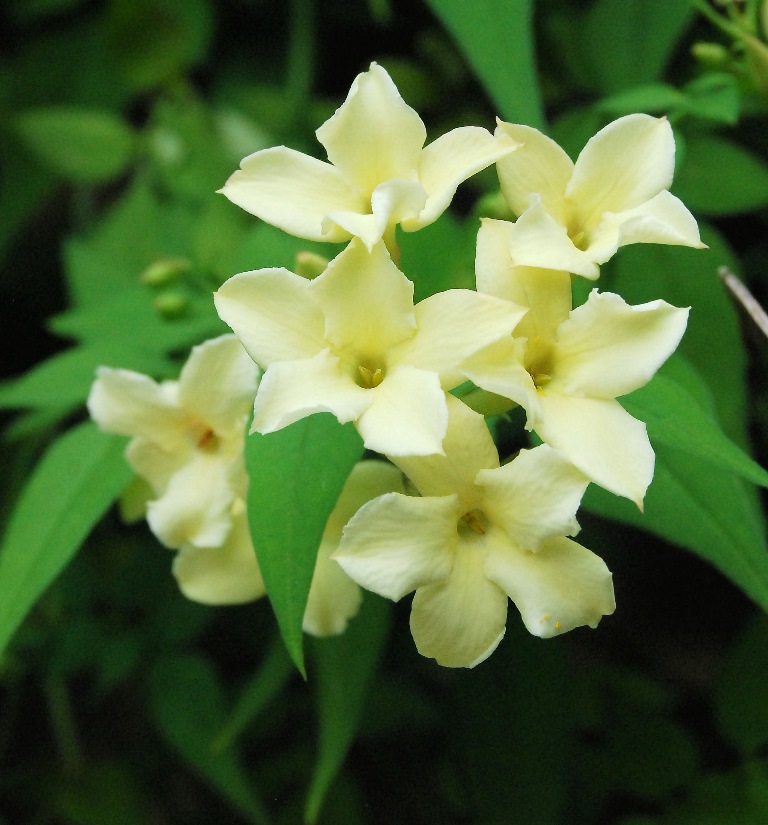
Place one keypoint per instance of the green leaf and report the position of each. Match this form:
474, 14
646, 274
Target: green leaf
740, 698
345, 668
439, 257
513, 733
675, 419
496, 37
63, 381
715, 96
174, 36
719, 177
71, 488
629, 42
296, 475
188, 703
81, 144
695, 505
268, 681
652, 98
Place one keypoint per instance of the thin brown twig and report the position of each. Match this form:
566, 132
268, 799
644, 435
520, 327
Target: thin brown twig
742, 294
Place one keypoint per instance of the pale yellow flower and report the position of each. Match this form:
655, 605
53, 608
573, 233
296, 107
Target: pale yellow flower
478, 535
573, 217
352, 343
380, 173
567, 367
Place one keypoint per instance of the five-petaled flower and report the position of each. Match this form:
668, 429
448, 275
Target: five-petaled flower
479, 534
380, 173
567, 367
575, 216
352, 343
188, 438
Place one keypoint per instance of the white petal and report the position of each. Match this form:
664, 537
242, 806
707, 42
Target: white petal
374, 135
450, 160
294, 192
407, 416
396, 543
129, 403
333, 597
539, 166
228, 574
499, 369
608, 348
534, 497
368, 480
538, 240
391, 202
663, 219
451, 326
625, 164
195, 507
291, 390
155, 464
367, 303
602, 439
273, 314
560, 587
459, 622
218, 384
468, 448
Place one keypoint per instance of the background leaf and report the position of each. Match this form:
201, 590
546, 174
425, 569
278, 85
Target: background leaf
189, 707
345, 668
75, 482
80, 144
496, 37
296, 475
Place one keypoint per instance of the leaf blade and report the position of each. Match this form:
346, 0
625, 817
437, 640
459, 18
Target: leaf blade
77, 479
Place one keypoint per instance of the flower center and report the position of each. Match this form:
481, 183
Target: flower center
473, 523
203, 437
539, 362
369, 376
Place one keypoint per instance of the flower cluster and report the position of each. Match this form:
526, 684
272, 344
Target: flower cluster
445, 517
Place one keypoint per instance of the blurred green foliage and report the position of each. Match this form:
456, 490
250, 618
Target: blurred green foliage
121, 702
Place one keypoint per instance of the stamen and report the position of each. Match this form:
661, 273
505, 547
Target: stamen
472, 520
369, 379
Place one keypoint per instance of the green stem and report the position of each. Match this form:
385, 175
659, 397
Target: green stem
724, 25
301, 54
63, 723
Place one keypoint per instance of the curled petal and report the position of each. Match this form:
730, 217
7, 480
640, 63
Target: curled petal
534, 497
228, 574
218, 384
499, 368
538, 240
539, 166
560, 587
391, 202
602, 439
663, 219
625, 164
395, 543
546, 292
294, 192
608, 348
449, 161
374, 135
407, 415
291, 390
273, 314
460, 622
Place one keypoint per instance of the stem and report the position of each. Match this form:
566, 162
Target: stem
724, 25
63, 723
301, 53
